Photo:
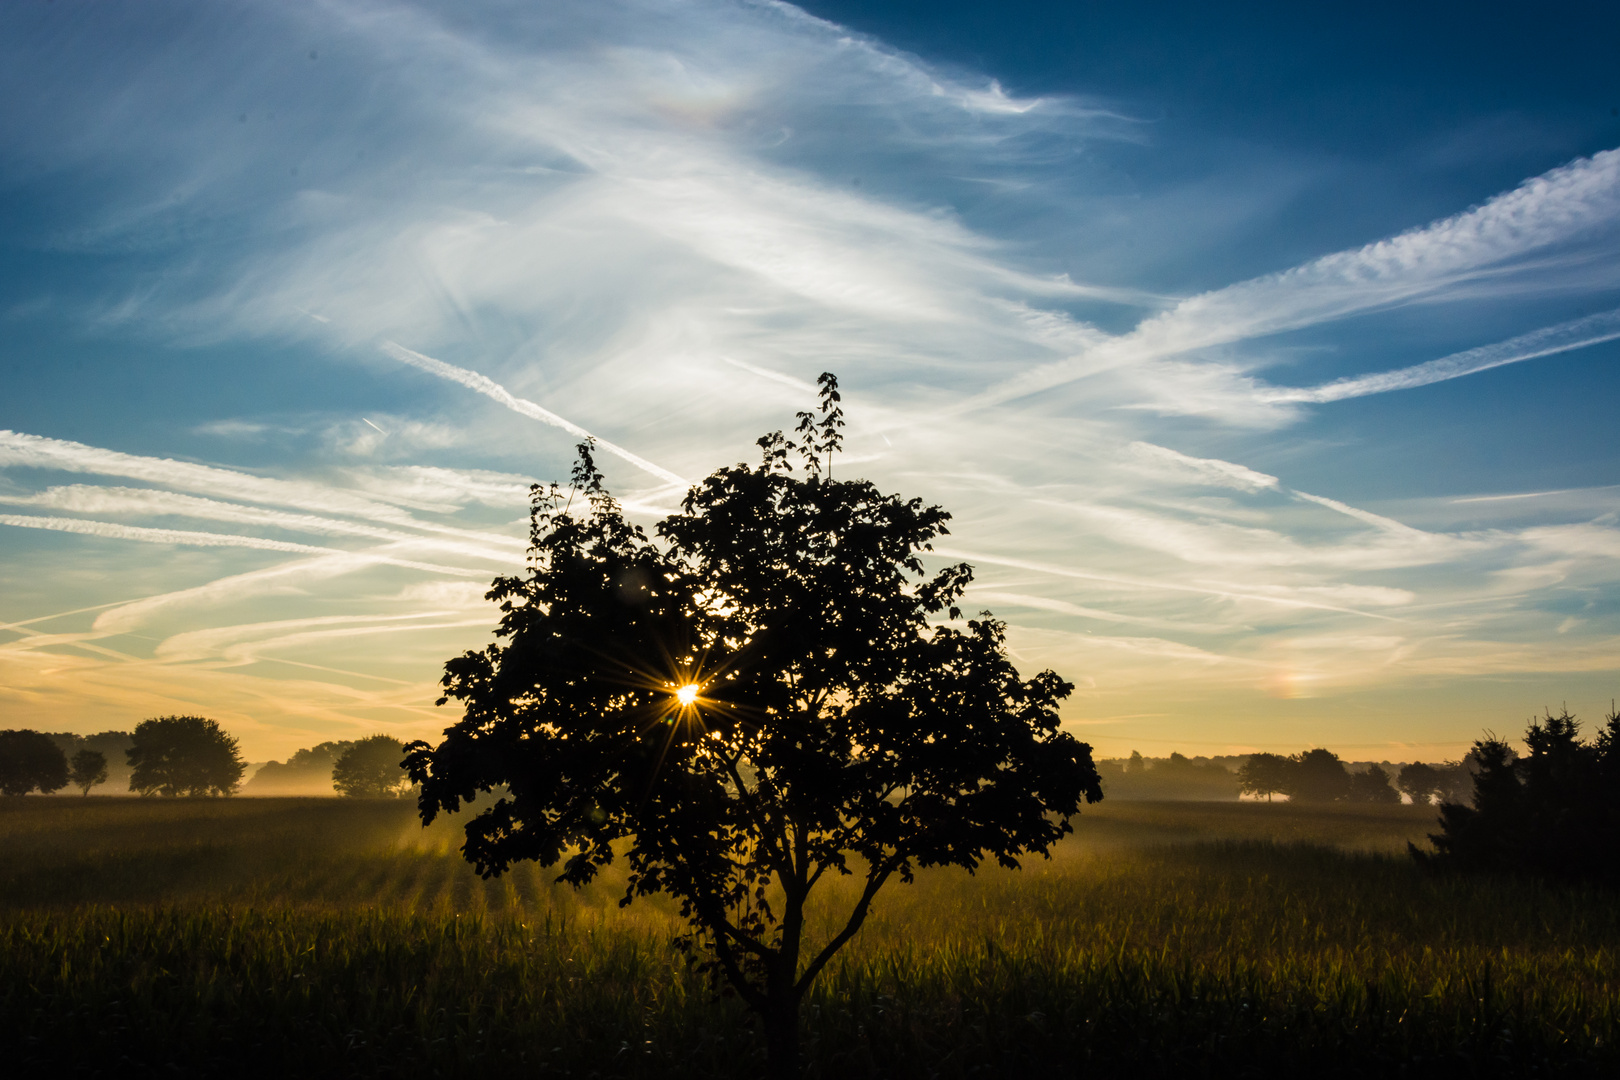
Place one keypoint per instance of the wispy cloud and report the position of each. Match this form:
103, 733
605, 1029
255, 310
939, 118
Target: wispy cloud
1563, 205
88, 499
491, 389
114, 531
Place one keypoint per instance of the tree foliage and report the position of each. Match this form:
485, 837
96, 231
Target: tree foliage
1174, 777
1318, 776
1264, 774
1314, 776
759, 699
88, 768
307, 772
1372, 786
1555, 812
183, 755
30, 761
370, 768
1421, 783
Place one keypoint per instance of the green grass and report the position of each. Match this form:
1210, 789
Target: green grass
327, 938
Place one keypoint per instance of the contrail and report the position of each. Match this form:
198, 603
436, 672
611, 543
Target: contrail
115, 531
472, 380
90, 499
1143, 583
1548, 341
1554, 207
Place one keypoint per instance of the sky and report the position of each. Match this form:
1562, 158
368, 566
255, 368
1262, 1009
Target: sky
1265, 356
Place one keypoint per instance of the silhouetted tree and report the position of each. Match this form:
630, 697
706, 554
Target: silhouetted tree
1372, 786
30, 761
1318, 776
183, 755
371, 769
755, 703
1553, 813
89, 768
1457, 778
1421, 783
1266, 774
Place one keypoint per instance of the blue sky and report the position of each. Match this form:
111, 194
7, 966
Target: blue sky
1266, 358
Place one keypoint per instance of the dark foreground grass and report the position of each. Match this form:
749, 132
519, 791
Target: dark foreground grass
285, 937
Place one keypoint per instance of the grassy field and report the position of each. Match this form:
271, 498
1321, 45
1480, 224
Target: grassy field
331, 938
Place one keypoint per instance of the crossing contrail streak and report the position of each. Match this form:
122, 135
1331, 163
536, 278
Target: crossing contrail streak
113, 531
472, 380
1549, 341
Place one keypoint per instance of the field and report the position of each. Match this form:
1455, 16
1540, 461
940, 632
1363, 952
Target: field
290, 937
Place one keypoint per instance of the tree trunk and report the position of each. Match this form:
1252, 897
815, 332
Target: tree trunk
782, 1037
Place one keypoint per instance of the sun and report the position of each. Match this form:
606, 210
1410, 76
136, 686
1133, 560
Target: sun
687, 695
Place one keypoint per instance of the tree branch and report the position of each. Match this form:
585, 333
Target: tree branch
874, 882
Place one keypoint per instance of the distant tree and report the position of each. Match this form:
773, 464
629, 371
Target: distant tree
1421, 783
1318, 776
1266, 774
1457, 777
307, 772
1372, 786
30, 761
1175, 777
756, 703
88, 769
1554, 812
371, 769
183, 755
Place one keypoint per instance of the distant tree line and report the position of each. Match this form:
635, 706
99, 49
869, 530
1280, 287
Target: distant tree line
366, 768
1315, 776
1308, 776
1319, 776
183, 755
1555, 812
1174, 777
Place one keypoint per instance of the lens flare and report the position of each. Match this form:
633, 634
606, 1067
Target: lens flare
687, 695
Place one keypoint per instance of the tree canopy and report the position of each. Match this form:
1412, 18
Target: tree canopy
761, 697
1265, 774
88, 768
307, 772
1372, 786
370, 768
183, 755
30, 761
1316, 775
1555, 812
1421, 783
